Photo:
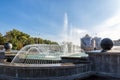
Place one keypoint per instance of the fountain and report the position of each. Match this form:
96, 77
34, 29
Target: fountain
47, 62
65, 31
38, 53
43, 62
70, 47
45, 54
41, 54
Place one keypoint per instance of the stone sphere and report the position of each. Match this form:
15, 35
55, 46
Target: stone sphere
106, 44
8, 46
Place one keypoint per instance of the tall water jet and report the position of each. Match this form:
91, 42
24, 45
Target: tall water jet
65, 27
69, 35
65, 30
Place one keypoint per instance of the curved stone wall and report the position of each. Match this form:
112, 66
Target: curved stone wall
43, 72
105, 63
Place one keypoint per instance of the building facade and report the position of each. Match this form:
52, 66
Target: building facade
88, 43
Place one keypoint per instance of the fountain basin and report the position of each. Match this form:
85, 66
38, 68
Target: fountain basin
43, 71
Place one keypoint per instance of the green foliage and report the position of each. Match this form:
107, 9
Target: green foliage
29, 41
2, 39
20, 39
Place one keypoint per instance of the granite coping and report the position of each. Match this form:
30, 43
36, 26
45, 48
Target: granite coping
106, 53
74, 58
64, 65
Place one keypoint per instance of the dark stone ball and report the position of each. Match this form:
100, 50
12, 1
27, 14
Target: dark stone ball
7, 46
106, 44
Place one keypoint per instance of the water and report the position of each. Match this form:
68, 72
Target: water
43, 52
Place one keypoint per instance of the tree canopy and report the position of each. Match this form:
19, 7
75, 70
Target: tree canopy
20, 39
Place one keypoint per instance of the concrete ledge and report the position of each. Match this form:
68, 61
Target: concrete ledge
71, 77
75, 60
44, 72
113, 76
105, 63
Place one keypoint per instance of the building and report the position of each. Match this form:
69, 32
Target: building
116, 42
96, 44
88, 43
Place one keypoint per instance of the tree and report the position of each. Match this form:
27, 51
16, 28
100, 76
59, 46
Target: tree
20, 39
29, 41
2, 39
17, 38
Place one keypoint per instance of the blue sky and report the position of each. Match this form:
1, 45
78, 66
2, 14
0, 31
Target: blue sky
45, 18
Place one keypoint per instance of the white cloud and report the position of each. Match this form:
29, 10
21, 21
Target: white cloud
79, 31
109, 28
